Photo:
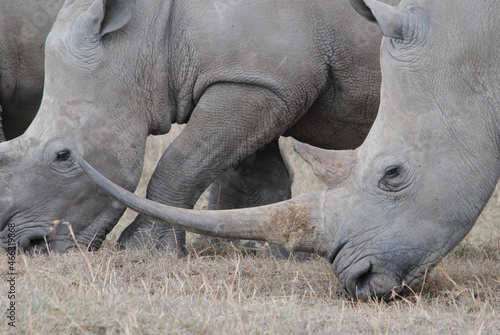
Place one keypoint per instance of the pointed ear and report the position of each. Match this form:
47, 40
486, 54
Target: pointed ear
331, 166
104, 16
389, 18
363, 10
116, 15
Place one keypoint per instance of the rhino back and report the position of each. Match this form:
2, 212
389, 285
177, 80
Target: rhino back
319, 56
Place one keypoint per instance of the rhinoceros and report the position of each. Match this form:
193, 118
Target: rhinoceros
239, 73
402, 200
24, 25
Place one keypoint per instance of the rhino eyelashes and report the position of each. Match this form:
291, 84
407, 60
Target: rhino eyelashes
63, 155
394, 179
392, 171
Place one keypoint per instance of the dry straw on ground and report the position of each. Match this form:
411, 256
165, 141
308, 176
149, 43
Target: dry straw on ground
224, 292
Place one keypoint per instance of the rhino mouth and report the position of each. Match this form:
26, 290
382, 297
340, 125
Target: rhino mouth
366, 278
33, 238
29, 242
365, 282
37, 245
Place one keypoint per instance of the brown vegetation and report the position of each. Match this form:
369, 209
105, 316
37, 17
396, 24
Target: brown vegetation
225, 292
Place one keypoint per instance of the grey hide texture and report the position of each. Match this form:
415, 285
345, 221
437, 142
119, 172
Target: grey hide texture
417, 184
239, 73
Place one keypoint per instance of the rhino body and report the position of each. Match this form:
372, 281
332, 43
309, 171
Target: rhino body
24, 26
239, 73
410, 193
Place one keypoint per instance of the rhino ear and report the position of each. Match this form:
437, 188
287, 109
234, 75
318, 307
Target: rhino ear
105, 16
363, 9
389, 18
331, 166
116, 15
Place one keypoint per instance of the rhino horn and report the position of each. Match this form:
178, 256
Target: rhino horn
389, 18
331, 166
297, 224
10, 151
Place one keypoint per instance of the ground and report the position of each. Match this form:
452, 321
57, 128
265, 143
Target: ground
225, 292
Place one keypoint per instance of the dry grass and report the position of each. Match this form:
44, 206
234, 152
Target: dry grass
140, 292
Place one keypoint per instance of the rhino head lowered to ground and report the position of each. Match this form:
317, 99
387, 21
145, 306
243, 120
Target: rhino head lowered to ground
401, 201
239, 73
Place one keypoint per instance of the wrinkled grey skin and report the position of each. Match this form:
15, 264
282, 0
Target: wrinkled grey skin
240, 75
24, 26
432, 159
23, 30
142, 229
417, 184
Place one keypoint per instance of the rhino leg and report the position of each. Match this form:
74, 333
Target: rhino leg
261, 179
230, 122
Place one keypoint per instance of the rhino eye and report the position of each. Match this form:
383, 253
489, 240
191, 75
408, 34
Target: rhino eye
392, 171
395, 179
63, 155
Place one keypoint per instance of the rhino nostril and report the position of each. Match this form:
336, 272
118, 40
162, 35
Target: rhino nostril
37, 246
364, 280
364, 284
373, 285
359, 274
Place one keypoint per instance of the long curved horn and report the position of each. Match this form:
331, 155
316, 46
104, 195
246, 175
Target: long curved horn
296, 224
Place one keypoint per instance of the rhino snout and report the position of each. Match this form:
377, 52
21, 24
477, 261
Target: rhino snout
27, 240
368, 279
372, 284
34, 237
